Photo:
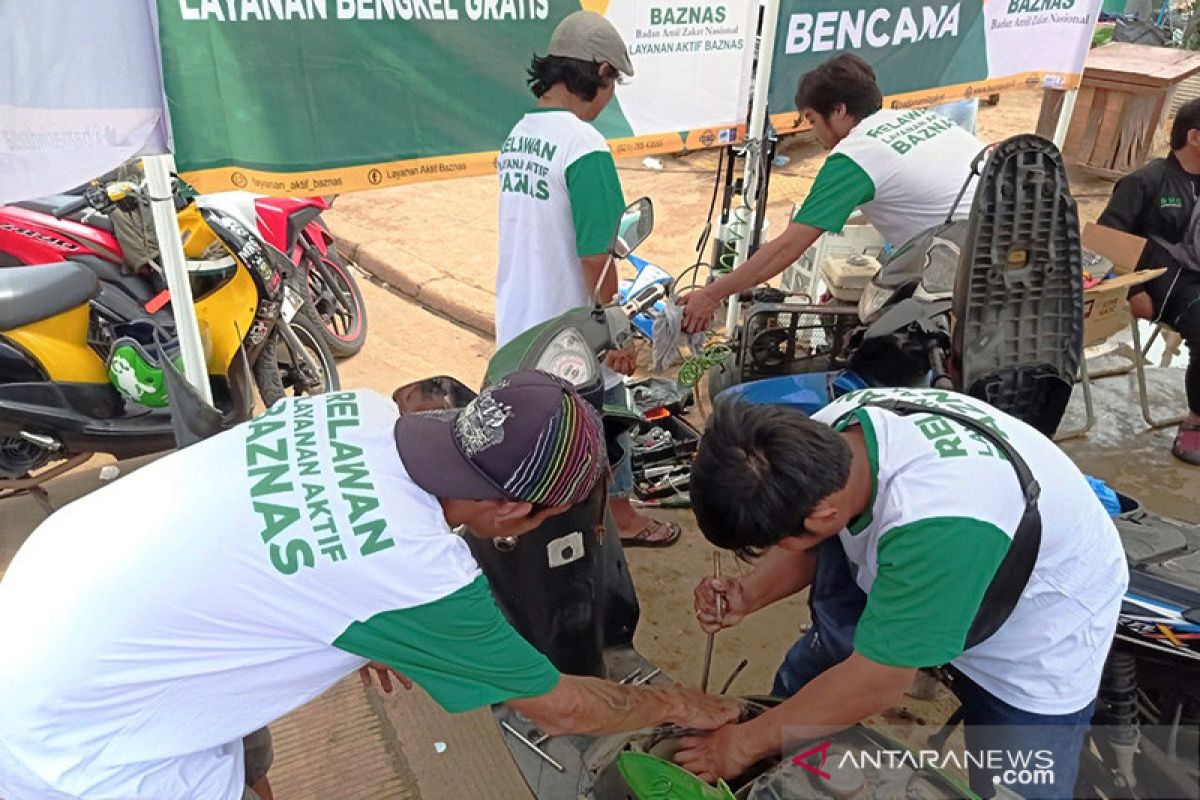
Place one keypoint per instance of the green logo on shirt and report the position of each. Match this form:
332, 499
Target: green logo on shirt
1170, 202
275, 498
522, 177
909, 130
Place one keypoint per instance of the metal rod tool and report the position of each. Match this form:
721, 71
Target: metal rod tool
545, 756
708, 647
733, 675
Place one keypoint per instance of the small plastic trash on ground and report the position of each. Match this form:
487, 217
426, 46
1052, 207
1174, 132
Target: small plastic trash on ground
652, 163
439, 746
110, 472
781, 161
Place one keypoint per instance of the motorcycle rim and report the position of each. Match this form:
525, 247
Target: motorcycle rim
340, 307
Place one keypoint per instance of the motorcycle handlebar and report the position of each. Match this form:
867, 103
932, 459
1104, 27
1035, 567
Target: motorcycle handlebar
72, 208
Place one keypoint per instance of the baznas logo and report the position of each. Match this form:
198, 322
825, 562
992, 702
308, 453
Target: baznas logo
826, 31
684, 15
1032, 6
1170, 202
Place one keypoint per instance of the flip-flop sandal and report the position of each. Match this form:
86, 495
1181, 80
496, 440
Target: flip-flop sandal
643, 537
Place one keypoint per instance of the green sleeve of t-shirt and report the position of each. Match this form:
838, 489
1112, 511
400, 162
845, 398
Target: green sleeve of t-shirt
841, 186
932, 576
458, 648
596, 201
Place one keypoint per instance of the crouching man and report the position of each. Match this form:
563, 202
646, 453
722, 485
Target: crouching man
935, 499
155, 627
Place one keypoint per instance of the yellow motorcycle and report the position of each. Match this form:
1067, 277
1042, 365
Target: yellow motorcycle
85, 340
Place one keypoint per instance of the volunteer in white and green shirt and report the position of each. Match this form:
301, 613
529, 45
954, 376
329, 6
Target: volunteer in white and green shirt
926, 508
904, 169
151, 625
560, 201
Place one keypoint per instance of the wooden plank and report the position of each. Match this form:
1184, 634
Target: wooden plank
1079, 124
1141, 64
1049, 111
1122, 86
1087, 139
1110, 130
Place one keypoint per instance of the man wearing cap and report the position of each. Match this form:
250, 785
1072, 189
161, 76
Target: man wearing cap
560, 200
153, 625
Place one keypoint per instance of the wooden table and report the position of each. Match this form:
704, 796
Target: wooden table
1123, 101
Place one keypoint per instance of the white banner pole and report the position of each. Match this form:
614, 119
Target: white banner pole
166, 228
754, 142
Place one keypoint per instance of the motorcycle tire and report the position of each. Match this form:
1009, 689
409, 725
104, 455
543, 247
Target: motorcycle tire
274, 370
344, 328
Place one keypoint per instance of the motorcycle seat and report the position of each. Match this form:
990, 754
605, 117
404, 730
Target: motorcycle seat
51, 204
33, 293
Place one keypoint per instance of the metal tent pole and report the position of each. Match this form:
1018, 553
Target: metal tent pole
754, 137
187, 329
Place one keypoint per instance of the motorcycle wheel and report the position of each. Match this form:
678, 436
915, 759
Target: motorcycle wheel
341, 309
18, 458
275, 371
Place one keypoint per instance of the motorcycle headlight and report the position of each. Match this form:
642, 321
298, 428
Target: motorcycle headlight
872, 301
568, 357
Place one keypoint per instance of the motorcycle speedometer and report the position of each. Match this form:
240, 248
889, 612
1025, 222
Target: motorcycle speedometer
567, 356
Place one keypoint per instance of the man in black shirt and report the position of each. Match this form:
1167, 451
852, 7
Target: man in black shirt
1157, 201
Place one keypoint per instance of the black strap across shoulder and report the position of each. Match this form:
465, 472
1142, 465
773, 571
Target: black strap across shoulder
1012, 576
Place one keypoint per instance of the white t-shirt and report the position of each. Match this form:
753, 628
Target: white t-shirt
560, 199
904, 169
147, 627
945, 507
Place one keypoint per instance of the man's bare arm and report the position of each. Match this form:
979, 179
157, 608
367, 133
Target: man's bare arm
592, 267
770, 260
779, 573
593, 706
839, 697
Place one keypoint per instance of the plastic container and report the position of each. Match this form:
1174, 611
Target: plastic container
847, 276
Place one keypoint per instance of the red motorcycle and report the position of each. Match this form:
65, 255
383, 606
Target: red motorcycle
295, 228
59, 227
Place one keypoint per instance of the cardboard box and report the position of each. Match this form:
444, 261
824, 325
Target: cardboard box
1105, 306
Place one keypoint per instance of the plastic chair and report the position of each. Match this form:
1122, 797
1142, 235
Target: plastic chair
1138, 357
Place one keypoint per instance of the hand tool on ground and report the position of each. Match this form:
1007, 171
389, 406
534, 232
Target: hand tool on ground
708, 647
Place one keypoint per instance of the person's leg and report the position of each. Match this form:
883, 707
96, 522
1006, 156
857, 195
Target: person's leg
1182, 313
835, 603
259, 754
1036, 755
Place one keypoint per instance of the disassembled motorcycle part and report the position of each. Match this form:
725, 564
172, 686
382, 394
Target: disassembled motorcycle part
549, 759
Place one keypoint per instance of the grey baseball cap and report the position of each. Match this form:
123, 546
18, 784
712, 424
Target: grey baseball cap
588, 36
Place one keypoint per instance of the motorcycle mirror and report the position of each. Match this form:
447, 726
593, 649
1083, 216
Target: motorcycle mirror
1192, 615
432, 394
633, 228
